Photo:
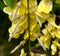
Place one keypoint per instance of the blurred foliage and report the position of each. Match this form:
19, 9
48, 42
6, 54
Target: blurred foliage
2, 5
10, 3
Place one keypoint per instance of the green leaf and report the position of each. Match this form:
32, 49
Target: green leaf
10, 3
56, 8
2, 5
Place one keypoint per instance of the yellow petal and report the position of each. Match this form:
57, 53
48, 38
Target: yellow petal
54, 49
42, 38
51, 20
33, 22
49, 28
32, 38
23, 24
16, 35
26, 35
21, 10
8, 10
32, 53
36, 29
47, 43
56, 33
43, 15
31, 3
42, 20
45, 6
46, 40
15, 21
56, 43
23, 53
11, 28
44, 31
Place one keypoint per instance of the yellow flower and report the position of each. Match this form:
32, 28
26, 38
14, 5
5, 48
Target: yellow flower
45, 6
43, 9
55, 45
59, 53
32, 37
8, 10
44, 31
56, 42
18, 28
43, 15
32, 53
56, 33
54, 49
51, 20
46, 40
22, 10
16, 34
23, 53
25, 3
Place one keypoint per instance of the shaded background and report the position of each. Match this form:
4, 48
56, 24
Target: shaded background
5, 46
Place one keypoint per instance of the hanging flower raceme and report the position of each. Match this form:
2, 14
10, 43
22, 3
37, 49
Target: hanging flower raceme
29, 20
18, 17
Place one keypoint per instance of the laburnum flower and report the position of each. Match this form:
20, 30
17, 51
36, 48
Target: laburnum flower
56, 33
51, 20
54, 49
50, 32
45, 6
53, 33
59, 53
23, 53
56, 42
55, 28
36, 54
55, 45
43, 10
29, 21
46, 39
17, 28
32, 37
50, 28
18, 17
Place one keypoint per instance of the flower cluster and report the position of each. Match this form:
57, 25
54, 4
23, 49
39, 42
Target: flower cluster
30, 19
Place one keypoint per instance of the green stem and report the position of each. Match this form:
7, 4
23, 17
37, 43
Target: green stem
28, 24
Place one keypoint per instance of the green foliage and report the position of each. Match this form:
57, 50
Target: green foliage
2, 5
10, 3
56, 8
